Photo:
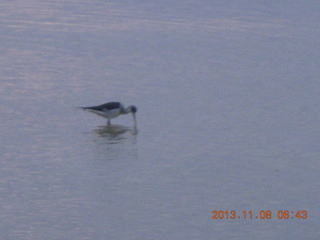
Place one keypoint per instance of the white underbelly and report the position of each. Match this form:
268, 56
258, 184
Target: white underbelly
107, 114
113, 113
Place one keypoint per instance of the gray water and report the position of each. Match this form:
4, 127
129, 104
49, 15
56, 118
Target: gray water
228, 119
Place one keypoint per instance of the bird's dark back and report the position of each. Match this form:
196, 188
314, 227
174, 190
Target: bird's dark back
106, 106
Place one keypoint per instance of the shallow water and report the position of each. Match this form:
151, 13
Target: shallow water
228, 119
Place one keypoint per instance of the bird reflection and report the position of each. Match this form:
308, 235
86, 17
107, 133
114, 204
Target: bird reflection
115, 132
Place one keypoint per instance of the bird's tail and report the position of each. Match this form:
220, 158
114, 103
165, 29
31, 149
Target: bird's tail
83, 108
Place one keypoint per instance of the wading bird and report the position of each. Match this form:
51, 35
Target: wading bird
112, 110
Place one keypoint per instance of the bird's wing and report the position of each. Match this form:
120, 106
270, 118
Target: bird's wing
104, 107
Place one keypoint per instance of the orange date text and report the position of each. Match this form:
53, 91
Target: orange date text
263, 214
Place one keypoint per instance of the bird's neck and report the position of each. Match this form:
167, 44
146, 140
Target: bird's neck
127, 110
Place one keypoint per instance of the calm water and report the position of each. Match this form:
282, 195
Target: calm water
228, 119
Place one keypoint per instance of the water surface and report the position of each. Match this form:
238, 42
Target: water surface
228, 119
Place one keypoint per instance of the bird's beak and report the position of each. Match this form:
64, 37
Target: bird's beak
134, 119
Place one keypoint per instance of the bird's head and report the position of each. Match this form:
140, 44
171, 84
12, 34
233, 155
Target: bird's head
133, 110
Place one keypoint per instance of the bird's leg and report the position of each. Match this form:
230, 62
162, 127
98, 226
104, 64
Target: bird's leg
108, 123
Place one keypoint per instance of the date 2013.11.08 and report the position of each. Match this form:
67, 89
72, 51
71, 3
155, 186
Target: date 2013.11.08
263, 214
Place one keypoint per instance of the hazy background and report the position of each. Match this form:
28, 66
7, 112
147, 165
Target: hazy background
228, 119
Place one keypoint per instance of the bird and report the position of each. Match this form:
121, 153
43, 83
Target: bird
112, 110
